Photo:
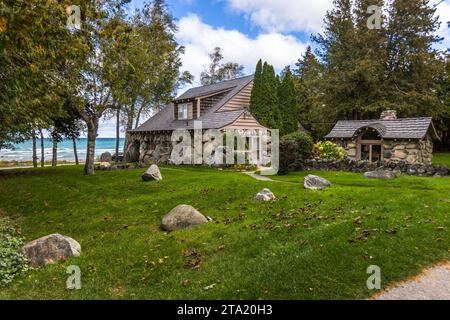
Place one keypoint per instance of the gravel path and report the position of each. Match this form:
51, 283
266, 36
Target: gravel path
257, 176
432, 284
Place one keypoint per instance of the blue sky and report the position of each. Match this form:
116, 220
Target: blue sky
277, 31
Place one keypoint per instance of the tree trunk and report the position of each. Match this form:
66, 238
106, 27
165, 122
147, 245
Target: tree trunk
35, 163
129, 127
92, 127
42, 148
117, 134
75, 152
54, 153
138, 117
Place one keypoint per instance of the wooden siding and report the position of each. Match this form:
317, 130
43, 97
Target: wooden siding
208, 102
240, 100
245, 122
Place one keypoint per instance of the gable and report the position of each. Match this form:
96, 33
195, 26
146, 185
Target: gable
245, 121
240, 100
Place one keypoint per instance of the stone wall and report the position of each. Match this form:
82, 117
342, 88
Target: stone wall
148, 148
349, 165
410, 151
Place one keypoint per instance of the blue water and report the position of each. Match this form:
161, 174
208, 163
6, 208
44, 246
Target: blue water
24, 151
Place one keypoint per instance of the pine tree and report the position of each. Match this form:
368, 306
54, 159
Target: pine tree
336, 50
256, 102
412, 63
272, 116
369, 52
287, 103
314, 115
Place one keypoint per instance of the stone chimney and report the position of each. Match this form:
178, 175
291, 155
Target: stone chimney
389, 115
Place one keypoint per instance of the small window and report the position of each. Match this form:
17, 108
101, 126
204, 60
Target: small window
183, 111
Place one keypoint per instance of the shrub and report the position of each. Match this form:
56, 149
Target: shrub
295, 148
12, 261
328, 150
304, 141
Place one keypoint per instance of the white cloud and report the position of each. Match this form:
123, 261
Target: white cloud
283, 15
443, 11
200, 39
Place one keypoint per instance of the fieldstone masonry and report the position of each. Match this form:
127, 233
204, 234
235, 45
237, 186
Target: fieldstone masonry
397, 167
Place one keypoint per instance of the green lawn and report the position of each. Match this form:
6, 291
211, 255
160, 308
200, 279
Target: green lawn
441, 158
307, 245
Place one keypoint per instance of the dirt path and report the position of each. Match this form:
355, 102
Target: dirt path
432, 284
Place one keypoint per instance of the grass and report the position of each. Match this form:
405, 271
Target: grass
306, 245
441, 158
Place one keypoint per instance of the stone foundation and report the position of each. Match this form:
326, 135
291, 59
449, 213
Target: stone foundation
349, 165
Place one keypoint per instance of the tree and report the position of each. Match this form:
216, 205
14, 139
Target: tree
146, 64
218, 71
34, 43
336, 51
412, 63
288, 103
314, 115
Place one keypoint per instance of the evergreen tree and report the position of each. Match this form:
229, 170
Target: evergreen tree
272, 117
287, 103
314, 115
256, 101
336, 50
412, 65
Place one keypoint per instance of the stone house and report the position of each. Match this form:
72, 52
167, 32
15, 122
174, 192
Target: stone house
387, 139
219, 106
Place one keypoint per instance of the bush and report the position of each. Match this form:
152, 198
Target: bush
295, 148
328, 150
12, 261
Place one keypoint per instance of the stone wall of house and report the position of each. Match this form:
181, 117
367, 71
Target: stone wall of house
148, 148
349, 165
410, 151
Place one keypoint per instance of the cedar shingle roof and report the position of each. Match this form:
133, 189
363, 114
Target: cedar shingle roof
406, 128
212, 119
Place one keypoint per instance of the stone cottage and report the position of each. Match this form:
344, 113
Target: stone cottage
387, 139
220, 106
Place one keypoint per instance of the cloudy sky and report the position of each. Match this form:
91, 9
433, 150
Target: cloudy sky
277, 31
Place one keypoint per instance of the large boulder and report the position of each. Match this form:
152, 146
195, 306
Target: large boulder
106, 157
315, 182
182, 216
265, 195
50, 249
380, 174
104, 166
153, 173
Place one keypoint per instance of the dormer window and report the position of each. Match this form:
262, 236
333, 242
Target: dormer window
183, 111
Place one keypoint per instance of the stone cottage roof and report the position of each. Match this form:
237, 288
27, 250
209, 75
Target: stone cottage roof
406, 128
212, 119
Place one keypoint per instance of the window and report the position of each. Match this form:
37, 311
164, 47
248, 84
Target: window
183, 111
370, 148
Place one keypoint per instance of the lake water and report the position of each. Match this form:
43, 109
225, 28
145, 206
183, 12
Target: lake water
24, 151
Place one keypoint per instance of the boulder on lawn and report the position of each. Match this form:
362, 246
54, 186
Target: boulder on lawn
265, 195
182, 216
106, 157
380, 174
104, 166
152, 173
50, 249
315, 182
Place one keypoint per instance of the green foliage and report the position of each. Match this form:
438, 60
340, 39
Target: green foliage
12, 261
287, 103
218, 71
328, 150
295, 148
